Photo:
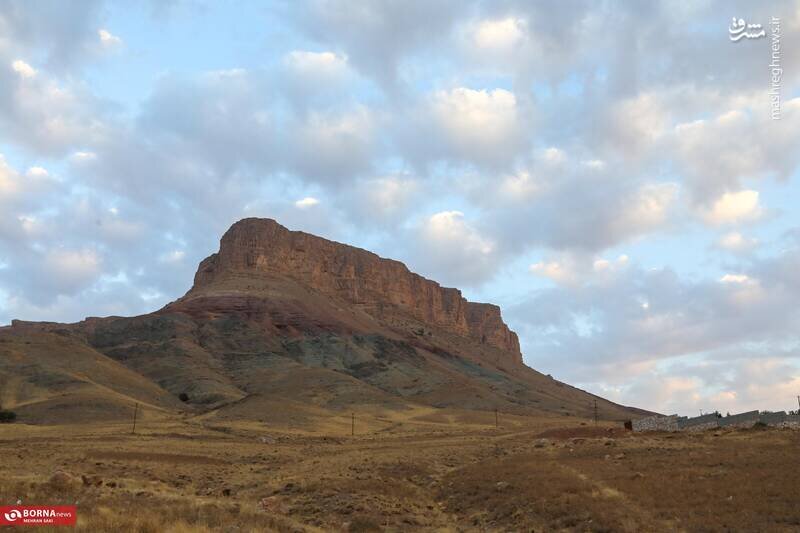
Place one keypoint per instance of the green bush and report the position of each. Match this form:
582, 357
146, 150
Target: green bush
7, 416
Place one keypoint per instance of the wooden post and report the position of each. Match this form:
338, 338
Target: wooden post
352, 424
135, 411
595, 412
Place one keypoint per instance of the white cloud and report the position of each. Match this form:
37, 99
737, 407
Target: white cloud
733, 207
501, 34
604, 210
314, 81
605, 265
450, 250
478, 123
596, 164
601, 264
736, 242
639, 122
518, 187
46, 114
174, 256
559, 272
450, 226
554, 156
370, 103
9, 179
316, 64
647, 208
572, 270
306, 202
71, 270
23, 69
334, 146
81, 157
385, 198
726, 386
746, 144
37, 172
107, 39
18, 194
735, 278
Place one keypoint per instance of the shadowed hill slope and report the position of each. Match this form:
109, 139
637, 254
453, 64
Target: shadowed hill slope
279, 320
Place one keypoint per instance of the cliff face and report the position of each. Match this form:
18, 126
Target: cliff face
284, 322
378, 286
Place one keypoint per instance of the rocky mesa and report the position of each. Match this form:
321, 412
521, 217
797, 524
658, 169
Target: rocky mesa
255, 247
283, 327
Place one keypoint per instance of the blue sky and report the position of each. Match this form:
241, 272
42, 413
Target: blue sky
608, 172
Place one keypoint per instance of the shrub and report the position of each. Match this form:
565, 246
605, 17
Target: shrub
7, 417
183, 397
364, 524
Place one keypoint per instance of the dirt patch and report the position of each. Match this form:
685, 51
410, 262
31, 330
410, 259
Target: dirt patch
585, 432
422, 478
150, 457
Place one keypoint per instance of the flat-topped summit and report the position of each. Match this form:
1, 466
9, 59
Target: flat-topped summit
285, 326
260, 247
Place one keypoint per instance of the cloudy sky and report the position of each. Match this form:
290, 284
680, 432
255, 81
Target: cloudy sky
608, 172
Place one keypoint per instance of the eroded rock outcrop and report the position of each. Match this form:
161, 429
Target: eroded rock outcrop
254, 247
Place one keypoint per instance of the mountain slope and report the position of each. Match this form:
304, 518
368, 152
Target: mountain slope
51, 375
283, 320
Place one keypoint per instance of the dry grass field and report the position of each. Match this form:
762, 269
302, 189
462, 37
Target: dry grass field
426, 469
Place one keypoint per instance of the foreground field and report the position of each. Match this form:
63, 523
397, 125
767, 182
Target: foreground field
425, 470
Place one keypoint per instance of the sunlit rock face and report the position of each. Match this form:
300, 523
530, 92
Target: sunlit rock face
254, 250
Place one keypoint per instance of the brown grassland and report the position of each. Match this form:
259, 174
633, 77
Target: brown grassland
424, 469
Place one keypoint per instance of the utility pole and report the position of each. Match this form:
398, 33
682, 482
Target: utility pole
595, 412
496, 422
352, 424
798, 404
135, 411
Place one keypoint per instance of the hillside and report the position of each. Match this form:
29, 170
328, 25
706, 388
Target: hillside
279, 322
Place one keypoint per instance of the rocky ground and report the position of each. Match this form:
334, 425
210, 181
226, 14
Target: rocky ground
441, 470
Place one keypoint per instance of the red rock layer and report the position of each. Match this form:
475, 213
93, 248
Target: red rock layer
357, 276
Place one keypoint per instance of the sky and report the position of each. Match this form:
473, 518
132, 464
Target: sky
611, 174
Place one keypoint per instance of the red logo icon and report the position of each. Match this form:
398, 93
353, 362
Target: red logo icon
58, 515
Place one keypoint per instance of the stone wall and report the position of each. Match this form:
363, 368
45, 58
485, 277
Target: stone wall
701, 427
699, 423
793, 423
742, 420
656, 423
780, 419
713, 421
